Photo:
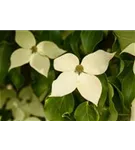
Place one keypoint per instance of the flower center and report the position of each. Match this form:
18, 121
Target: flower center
34, 49
79, 69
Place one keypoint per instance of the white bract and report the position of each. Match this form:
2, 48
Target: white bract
25, 104
23, 109
130, 49
132, 118
37, 55
81, 76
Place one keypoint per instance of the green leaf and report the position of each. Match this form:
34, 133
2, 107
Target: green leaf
42, 35
43, 95
116, 66
16, 77
67, 45
125, 38
114, 80
5, 53
121, 98
6, 95
115, 45
128, 66
56, 107
106, 32
78, 98
105, 114
107, 42
103, 97
113, 112
55, 36
4, 34
41, 84
86, 112
118, 100
122, 65
90, 39
113, 68
74, 42
66, 33
128, 87
68, 117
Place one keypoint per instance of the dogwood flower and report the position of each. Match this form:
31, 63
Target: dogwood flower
81, 76
132, 118
38, 56
25, 104
130, 49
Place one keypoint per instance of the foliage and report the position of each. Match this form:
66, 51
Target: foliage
24, 93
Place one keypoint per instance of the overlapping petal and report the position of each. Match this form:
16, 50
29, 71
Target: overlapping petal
40, 63
20, 57
89, 87
50, 49
97, 62
66, 83
25, 39
66, 62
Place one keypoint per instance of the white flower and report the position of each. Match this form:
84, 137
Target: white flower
22, 110
25, 104
132, 118
131, 50
81, 76
38, 56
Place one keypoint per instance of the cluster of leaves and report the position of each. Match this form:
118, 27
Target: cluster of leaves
29, 90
